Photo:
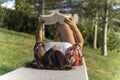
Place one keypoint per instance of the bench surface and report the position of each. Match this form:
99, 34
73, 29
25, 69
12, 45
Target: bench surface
77, 73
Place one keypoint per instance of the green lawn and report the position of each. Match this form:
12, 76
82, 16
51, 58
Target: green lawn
16, 49
102, 68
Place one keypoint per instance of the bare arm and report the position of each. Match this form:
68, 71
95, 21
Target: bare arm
38, 36
75, 29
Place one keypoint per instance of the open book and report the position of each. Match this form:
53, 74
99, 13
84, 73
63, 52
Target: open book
54, 17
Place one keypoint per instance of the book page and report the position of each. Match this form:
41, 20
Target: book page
54, 18
61, 17
49, 19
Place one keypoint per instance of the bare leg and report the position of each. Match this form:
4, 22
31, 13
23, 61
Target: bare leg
78, 36
58, 36
65, 34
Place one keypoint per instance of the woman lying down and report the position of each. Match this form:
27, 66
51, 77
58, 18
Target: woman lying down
64, 52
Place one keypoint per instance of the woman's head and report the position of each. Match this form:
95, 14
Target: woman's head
54, 59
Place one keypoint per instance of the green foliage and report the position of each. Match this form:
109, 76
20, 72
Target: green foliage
99, 37
94, 6
25, 6
19, 21
50, 30
102, 68
1, 14
113, 40
116, 1
87, 32
22, 18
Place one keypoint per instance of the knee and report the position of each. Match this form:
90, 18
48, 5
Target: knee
65, 25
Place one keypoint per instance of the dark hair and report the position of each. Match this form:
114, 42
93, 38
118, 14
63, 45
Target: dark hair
54, 59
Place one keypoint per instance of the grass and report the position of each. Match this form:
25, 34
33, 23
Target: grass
100, 67
16, 49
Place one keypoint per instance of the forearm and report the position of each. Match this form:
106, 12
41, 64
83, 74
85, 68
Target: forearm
78, 35
39, 32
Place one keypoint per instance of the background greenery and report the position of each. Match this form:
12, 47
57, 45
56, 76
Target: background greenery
16, 49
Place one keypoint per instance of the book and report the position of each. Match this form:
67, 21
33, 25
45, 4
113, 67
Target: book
54, 17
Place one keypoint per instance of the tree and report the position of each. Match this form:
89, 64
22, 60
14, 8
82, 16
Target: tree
93, 11
0, 10
95, 21
25, 6
115, 15
1, 13
22, 18
106, 16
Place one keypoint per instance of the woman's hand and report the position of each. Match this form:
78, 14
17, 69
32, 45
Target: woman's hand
70, 21
41, 22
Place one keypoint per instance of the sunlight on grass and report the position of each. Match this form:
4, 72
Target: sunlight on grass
100, 67
15, 50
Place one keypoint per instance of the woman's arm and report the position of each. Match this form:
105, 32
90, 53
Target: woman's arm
70, 21
38, 36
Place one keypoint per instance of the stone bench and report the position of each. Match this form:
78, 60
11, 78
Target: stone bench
77, 73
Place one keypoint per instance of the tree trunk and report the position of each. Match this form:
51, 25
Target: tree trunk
95, 24
43, 12
104, 47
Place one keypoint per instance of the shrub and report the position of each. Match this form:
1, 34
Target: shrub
99, 37
87, 32
113, 40
50, 30
18, 21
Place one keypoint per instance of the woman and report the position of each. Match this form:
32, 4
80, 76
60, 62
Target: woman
67, 37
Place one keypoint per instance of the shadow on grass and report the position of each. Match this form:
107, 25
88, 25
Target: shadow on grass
4, 69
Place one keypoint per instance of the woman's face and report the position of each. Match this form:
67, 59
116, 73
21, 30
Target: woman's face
58, 48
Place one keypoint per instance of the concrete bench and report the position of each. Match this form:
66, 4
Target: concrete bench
77, 73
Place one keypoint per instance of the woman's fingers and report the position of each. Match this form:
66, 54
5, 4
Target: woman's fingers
71, 18
68, 21
42, 21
